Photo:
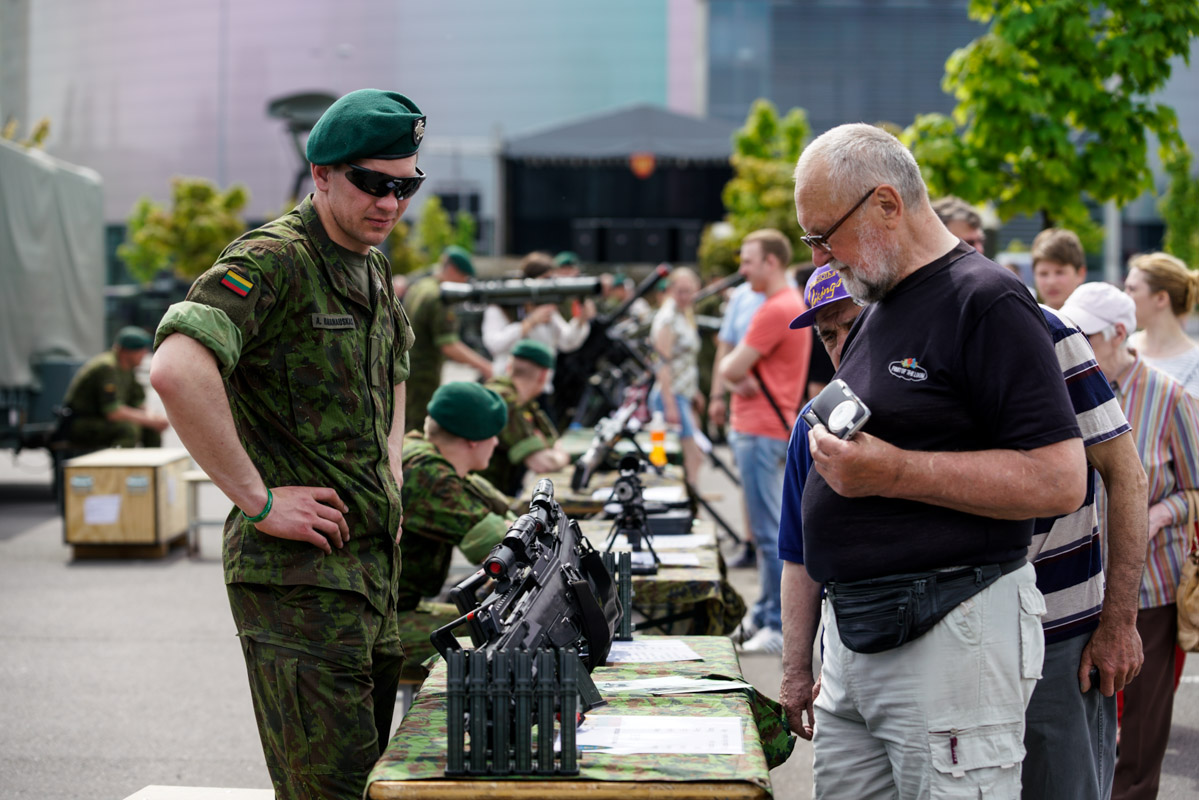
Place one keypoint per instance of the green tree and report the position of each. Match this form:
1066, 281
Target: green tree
761, 193
1053, 106
189, 235
435, 232
1180, 211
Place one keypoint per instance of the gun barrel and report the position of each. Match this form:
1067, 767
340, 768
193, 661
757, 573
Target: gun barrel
736, 279
519, 292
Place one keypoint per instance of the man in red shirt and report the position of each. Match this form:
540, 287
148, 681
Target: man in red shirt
766, 372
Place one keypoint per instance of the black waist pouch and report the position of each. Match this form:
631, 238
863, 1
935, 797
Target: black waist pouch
883, 613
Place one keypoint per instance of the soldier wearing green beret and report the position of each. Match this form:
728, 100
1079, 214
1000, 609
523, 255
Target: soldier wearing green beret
105, 405
446, 506
283, 372
436, 328
528, 441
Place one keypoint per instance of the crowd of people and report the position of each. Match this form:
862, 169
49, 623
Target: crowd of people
987, 565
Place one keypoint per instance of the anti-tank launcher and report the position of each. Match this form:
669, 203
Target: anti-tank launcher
548, 620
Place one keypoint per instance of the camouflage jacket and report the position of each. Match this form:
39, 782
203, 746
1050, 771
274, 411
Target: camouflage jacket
433, 324
528, 430
443, 510
101, 387
310, 367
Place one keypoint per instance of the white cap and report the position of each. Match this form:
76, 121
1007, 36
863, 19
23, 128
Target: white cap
1094, 306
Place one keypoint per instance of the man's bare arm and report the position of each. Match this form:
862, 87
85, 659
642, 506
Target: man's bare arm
458, 351
801, 619
1115, 646
737, 365
1001, 484
188, 381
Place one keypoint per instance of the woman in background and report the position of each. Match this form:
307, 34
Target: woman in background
1164, 291
676, 342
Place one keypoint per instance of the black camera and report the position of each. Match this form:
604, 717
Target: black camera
838, 409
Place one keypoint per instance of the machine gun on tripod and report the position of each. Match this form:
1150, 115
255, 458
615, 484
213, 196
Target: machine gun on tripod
548, 621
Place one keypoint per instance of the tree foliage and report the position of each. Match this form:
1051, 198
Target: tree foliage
410, 251
1180, 211
1053, 106
188, 236
761, 193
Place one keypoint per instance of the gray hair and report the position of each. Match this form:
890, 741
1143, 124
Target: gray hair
858, 156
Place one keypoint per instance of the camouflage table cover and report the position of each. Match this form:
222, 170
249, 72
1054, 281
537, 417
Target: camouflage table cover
575, 442
584, 503
702, 596
417, 751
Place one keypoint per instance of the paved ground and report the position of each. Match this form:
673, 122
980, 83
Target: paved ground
120, 674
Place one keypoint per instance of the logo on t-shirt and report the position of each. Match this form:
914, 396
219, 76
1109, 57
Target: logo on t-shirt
909, 369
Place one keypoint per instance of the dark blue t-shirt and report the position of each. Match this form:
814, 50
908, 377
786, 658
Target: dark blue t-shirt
957, 357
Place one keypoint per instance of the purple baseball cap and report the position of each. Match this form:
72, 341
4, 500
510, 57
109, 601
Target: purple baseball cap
824, 287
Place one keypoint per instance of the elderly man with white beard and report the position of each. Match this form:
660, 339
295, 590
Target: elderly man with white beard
918, 525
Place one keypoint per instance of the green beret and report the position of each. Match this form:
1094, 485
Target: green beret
537, 352
132, 337
469, 410
368, 123
460, 259
566, 258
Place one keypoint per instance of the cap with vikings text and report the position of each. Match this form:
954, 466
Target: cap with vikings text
368, 123
824, 287
132, 337
537, 352
1096, 305
460, 259
469, 410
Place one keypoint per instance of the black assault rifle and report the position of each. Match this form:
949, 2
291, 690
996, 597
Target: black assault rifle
548, 621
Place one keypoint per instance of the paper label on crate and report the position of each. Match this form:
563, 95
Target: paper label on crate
102, 509
172, 490
137, 484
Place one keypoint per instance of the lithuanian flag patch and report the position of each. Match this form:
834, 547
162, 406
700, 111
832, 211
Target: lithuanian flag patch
236, 283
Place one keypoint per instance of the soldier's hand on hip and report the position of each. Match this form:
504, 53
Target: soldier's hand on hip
313, 514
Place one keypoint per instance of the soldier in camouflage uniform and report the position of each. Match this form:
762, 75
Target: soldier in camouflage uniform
528, 440
105, 401
436, 328
447, 506
283, 374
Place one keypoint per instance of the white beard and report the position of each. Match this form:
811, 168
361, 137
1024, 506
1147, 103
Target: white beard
881, 265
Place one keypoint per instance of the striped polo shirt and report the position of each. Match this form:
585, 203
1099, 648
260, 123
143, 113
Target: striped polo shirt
1065, 550
1165, 426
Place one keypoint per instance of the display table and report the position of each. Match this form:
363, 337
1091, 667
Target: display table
591, 499
576, 441
414, 763
679, 600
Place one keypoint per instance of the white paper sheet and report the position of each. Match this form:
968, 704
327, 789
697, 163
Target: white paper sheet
101, 509
647, 651
670, 685
685, 541
621, 735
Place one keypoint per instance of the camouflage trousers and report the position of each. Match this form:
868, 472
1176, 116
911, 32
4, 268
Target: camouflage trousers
415, 626
324, 667
91, 433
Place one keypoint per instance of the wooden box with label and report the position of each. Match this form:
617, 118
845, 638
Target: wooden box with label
135, 498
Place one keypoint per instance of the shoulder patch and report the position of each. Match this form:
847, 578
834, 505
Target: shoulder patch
237, 283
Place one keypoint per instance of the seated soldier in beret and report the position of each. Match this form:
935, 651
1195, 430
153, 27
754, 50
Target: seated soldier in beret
107, 404
445, 506
528, 440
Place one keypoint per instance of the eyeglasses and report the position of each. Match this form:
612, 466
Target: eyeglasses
380, 184
814, 240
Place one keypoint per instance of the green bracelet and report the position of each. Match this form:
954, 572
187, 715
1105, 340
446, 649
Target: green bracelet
261, 514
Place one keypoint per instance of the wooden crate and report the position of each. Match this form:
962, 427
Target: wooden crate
134, 497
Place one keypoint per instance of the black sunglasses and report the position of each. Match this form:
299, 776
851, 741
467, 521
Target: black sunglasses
820, 240
379, 184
